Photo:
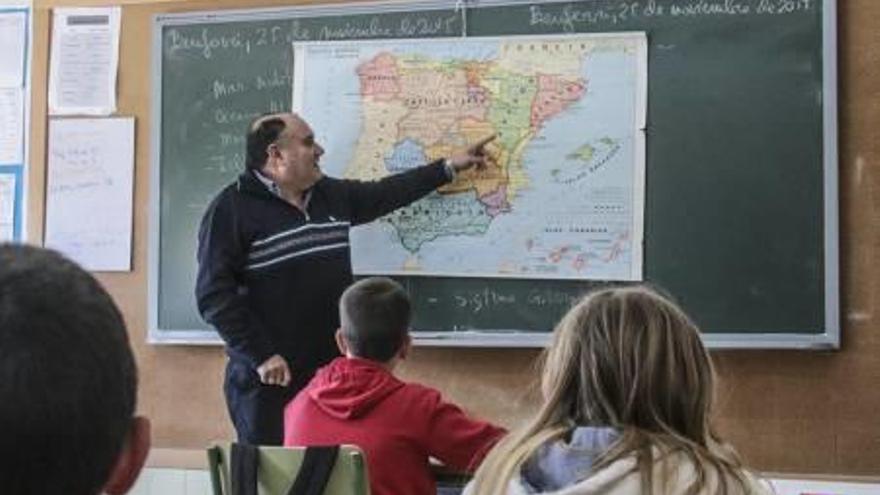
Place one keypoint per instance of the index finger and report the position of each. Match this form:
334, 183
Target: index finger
483, 142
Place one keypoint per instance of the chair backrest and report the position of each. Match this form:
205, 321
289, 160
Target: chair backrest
278, 468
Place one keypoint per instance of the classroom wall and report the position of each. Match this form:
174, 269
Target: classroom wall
800, 412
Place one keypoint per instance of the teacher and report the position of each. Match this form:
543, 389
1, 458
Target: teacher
274, 257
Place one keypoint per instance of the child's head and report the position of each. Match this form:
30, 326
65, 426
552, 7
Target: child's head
375, 315
629, 357
68, 381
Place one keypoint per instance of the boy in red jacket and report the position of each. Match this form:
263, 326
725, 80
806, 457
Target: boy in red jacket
357, 400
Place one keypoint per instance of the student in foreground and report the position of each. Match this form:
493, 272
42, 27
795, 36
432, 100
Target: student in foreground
357, 400
627, 391
67, 382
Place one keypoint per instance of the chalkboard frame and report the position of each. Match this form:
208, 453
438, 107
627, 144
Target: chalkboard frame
829, 338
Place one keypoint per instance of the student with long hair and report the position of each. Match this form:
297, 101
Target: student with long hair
627, 393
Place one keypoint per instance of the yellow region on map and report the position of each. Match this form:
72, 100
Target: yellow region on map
445, 105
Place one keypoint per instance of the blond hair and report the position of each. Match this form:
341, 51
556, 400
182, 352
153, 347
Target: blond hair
630, 359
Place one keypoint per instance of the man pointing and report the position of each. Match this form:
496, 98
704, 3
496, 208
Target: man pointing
274, 257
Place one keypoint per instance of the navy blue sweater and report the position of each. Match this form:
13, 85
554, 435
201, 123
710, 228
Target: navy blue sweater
270, 277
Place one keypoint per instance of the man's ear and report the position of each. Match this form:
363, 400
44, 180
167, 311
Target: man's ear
132, 458
341, 343
273, 150
405, 347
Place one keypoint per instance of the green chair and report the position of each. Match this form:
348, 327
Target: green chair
277, 468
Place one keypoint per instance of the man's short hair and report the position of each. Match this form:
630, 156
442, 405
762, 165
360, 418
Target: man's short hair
375, 314
67, 376
263, 131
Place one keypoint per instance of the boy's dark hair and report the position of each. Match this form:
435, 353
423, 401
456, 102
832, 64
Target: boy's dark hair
375, 314
67, 376
261, 133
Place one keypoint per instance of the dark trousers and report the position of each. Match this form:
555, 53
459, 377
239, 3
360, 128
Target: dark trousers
256, 409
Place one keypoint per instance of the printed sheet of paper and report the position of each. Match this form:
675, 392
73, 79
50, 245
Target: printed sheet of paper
11, 126
89, 191
13, 39
7, 207
84, 60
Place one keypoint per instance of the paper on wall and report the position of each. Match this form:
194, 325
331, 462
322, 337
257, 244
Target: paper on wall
84, 61
90, 191
11, 126
13, 39
7, 207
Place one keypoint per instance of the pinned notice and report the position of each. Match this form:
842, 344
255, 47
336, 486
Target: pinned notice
84, 61
89, 191
13, 36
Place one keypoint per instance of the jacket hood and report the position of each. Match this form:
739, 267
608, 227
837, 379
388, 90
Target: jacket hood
348, 388
564, 463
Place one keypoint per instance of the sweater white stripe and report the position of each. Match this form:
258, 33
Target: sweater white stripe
295, 243
295, 255
286, 233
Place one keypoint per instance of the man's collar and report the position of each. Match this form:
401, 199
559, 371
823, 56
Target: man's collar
276, 191
269, 183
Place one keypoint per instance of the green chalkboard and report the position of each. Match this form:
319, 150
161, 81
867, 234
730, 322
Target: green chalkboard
740, 207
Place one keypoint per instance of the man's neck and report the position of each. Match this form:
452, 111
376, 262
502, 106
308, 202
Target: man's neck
295, 197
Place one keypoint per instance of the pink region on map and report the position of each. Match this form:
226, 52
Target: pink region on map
477, 106
558, 254
379, 77
579, 263
554, 95
496, 201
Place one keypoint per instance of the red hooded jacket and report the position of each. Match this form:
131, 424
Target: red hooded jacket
398, 425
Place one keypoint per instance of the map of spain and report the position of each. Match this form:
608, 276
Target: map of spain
562, 194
